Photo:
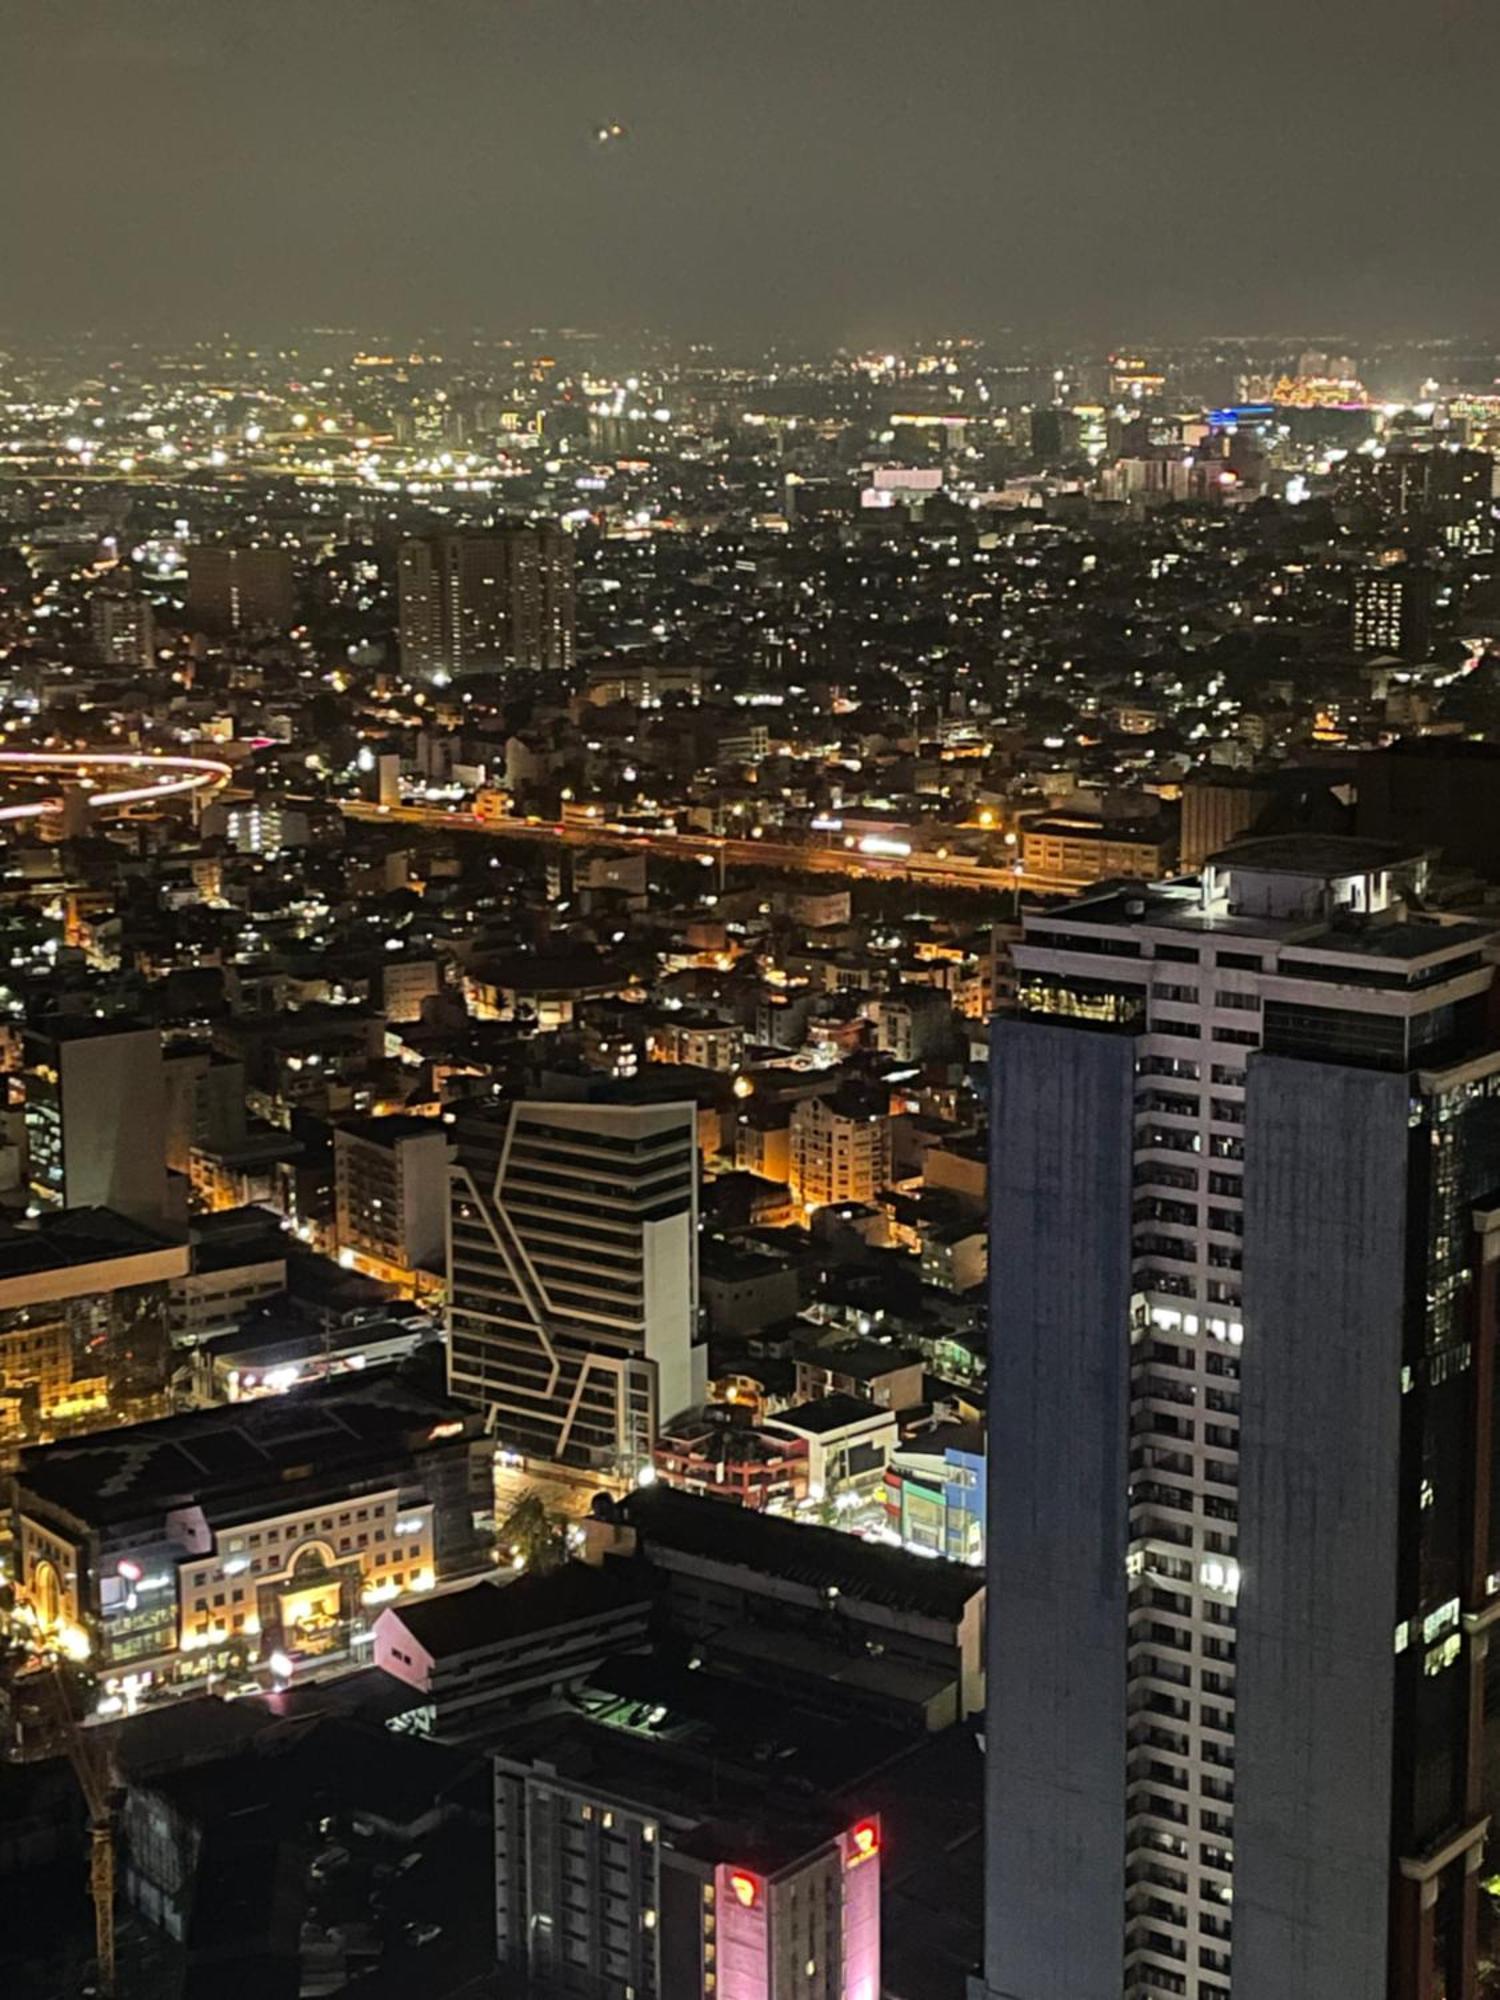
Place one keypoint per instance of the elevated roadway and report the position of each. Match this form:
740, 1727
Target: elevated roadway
929, 869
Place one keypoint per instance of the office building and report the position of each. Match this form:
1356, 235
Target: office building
1245, 1132
390, 1180
502, 598
96, 1116
272, 1526
573, 1278
239, 590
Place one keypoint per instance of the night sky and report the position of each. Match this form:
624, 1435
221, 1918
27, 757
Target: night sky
851, 169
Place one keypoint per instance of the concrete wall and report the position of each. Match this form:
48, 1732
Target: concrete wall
114, 1121
1060, 1184
1319, 1419
423, 1167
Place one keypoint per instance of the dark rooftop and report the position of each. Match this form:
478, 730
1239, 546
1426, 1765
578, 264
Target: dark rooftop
75, 1236
388, 1131
860, 1360
487, 1614
1316, 854
828, 1413
240, 1455
86, 1027
818, 1558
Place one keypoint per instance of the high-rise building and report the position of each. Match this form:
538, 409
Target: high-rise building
123, 629
240, 590
573, 1277
205, 1102
1056, 435
1391, 610
96, 1118
503, 598
1245, 1134
1443, 494
1217, 808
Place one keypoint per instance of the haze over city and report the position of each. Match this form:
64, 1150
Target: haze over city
858, 170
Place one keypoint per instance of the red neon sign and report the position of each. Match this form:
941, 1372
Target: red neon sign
745, 1888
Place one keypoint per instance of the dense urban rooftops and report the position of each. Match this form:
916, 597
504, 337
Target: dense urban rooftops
285, 1449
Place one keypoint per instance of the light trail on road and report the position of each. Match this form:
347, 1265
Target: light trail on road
183, 774
849, 863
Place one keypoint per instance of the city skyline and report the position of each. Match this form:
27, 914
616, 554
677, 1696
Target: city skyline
750, 1126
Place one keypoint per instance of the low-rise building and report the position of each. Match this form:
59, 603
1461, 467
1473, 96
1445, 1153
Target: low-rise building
848, 1442
745, 1286
1071, 848
802, 1608
889, 1376
84, 1319
934, 1492
721, 1454
472, 1651
229, 1535
237, 1258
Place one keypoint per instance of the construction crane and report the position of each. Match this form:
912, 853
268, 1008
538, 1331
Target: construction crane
94, 1771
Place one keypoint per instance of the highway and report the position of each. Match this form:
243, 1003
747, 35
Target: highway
847, 862
167, 777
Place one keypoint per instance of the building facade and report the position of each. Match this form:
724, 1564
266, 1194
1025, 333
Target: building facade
221, 1537
503, 598
1391, 610
240, 590
1074, 848
391, 1193
1244, 1132
123, 629
84, 1322
96, 1117
573, 1278
839, 1149
620, 1891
